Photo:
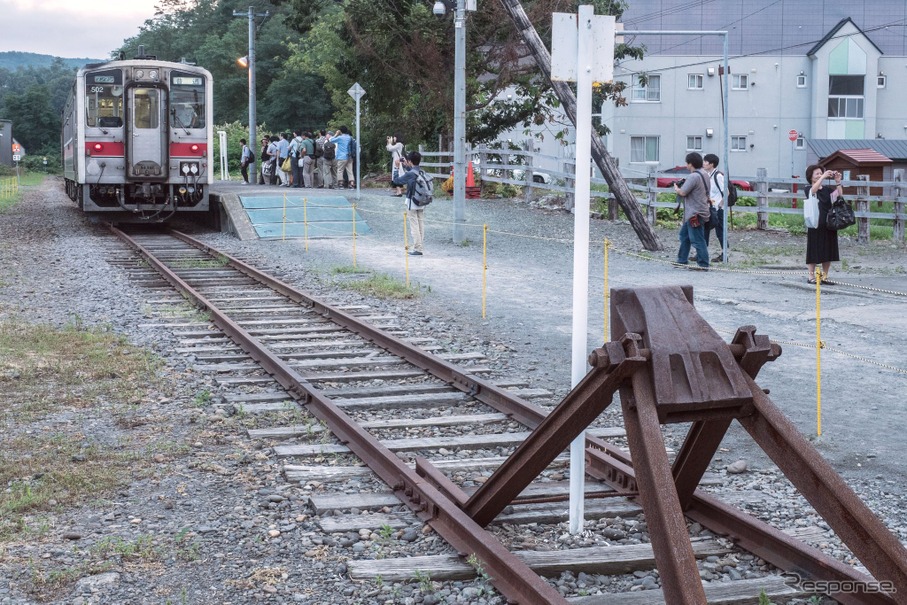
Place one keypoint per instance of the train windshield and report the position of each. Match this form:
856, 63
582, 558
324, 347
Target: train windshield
104, 99
187, 100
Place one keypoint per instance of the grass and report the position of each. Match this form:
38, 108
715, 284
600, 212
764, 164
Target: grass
47, 372
379, 285
8, 199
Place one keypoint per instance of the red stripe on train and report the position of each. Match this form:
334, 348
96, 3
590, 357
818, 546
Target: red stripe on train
105, 149
188, 150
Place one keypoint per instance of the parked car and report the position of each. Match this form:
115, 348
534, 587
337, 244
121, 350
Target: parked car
516, 174
683, 172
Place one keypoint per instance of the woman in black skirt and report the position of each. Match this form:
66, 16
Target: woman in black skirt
822, 242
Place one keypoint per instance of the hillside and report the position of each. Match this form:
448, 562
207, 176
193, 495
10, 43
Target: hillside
13, 60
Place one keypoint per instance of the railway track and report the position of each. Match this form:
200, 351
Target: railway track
431, 427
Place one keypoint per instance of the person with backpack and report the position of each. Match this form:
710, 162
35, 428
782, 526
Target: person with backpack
716, 201
695, 193
246, 159
327, 164
419, 194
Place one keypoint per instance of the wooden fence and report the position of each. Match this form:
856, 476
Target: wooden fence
532, 172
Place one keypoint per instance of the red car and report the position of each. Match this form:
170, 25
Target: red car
683, 172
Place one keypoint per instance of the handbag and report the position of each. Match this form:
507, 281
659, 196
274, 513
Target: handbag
840, 215
286, 166
811, 211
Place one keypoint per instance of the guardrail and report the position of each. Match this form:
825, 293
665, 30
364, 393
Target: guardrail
778, 196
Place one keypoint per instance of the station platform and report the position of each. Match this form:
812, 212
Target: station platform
270, 212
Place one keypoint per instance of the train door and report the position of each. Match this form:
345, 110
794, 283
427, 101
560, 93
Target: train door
146, 136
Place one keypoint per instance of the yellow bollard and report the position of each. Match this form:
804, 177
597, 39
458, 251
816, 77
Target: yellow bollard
284, 225
354, 236
305, 222
607, 290
484, 266
819, 346
405, 249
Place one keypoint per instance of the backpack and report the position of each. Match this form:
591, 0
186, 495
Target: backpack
319, 147
732, 192
329, 150
423, 189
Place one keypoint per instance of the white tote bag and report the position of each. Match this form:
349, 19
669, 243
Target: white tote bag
811, 211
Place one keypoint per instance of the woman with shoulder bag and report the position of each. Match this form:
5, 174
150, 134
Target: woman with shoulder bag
822, 242
395, 146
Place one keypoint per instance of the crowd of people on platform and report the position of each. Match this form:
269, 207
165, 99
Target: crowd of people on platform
302, 159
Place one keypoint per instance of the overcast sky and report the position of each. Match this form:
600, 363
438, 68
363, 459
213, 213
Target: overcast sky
71, 28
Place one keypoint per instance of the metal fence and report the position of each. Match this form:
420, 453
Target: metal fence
533, 172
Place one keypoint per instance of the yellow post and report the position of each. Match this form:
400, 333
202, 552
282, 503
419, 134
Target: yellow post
305, 222
284, 225
607, 290
484, 266
819, 347
405, 249
354, 236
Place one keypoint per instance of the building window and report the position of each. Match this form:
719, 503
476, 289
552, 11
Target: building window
800, 143
738, 143
845, 97
644, 149
801, 81
649, 92
739, 82
694, 143
881, 81
694, 81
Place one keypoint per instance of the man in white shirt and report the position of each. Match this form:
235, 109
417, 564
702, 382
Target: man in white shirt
716, 203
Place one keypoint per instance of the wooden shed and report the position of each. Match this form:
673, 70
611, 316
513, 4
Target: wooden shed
858, 164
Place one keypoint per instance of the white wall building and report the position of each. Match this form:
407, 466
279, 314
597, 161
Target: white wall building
840, 86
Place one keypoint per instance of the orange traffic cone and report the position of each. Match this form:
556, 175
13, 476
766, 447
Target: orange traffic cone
470, 177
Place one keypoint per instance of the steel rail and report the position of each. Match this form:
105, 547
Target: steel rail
510, 575
605, 461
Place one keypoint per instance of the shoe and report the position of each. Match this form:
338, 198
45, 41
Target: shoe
679, 265
699, 268
415, 253
717, 259
397, 195
243, 183
810, 281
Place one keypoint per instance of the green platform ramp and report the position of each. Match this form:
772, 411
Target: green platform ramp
299, 216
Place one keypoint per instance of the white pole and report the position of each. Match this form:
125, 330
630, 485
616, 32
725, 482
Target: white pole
459, 160
579, 364
358, 149
222, 138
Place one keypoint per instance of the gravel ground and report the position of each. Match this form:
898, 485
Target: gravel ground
228, 529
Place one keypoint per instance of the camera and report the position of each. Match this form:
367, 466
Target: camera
681, 182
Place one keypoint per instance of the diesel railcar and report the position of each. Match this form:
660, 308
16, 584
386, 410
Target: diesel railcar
137, 139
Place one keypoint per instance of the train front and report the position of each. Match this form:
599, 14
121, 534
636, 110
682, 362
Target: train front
147, 139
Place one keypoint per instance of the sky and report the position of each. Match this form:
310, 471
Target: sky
71, 28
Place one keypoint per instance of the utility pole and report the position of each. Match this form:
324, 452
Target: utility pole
253, 112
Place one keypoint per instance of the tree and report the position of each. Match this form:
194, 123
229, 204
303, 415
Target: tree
605, 162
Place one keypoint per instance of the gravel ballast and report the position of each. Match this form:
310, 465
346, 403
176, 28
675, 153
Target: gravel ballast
226, 527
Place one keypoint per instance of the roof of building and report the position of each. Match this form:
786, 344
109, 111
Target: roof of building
834, 32
861, 157
895, 150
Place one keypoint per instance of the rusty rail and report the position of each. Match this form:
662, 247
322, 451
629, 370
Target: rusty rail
437, 501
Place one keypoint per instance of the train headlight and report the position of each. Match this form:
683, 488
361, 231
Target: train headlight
97, 147
194, 148
139, 73
153, 74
